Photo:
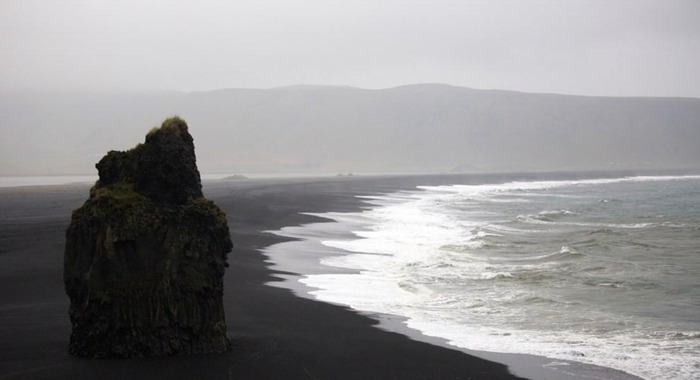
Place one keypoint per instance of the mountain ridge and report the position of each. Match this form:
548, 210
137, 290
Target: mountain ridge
424, 85
331, 129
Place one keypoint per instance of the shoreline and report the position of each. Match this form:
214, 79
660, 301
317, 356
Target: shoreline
275, 334
29, 181
307, 238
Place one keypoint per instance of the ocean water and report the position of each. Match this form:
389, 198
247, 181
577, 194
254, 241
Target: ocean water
17, 181
600, 271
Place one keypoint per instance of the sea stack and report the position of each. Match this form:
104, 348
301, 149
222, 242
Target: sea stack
145, 255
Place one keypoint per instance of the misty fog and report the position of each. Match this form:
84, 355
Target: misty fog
325, 130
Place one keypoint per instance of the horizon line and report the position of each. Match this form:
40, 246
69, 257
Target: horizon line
311, 86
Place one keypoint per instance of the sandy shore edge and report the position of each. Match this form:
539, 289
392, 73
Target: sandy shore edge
276, 334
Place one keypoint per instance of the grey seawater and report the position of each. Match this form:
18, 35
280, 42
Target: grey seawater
599, 271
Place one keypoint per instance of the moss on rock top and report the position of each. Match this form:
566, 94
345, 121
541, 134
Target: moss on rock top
163, 168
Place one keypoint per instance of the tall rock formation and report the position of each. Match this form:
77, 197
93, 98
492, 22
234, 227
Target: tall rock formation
145, 255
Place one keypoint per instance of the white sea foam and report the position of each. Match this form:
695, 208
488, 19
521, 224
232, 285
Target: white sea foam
480, 190
556, 213
534, 219
436, 258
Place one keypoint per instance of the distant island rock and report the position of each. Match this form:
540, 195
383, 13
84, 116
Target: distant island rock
145, 255
235, 177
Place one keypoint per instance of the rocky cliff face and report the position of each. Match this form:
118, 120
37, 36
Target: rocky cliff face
145, 255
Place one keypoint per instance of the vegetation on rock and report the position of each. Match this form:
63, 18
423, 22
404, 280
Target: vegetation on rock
145, 255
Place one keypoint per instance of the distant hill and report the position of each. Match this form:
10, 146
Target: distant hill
325, 129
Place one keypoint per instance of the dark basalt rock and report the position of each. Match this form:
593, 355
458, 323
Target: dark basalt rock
145, 255
163, 169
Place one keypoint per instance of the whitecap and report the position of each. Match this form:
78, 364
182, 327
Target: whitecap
422, 255
495, 275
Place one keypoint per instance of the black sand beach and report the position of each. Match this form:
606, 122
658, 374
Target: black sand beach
276, 335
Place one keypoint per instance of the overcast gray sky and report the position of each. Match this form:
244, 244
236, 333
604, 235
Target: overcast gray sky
589, 47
